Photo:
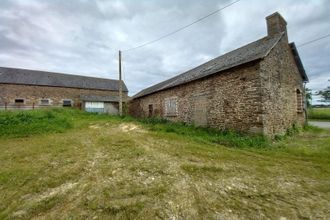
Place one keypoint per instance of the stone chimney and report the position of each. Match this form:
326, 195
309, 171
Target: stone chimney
276, 25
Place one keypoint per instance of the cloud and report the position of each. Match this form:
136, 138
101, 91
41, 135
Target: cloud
84, 36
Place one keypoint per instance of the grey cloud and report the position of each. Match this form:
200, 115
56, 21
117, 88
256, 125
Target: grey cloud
83, 36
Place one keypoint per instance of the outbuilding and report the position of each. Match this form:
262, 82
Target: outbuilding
257, 88
30, 89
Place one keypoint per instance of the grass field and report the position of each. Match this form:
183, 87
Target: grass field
319, 113
86, 166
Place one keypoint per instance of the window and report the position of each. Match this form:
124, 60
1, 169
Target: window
19, 101
299, 101
44, 102
151, 110
67, 103
171, 106
94, 107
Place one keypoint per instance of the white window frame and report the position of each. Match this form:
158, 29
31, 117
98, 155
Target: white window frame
170, 103
40, 101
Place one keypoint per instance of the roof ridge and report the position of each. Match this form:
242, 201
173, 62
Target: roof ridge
57, 73
19, 76
254, 50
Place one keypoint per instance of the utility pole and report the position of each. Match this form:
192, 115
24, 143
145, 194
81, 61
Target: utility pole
120, 88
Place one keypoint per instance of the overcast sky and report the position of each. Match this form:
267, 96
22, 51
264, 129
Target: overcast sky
83, 36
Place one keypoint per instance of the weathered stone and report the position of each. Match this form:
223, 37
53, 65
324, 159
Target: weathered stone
33, 94
256, 97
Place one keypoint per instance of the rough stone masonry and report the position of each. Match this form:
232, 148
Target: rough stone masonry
257, 88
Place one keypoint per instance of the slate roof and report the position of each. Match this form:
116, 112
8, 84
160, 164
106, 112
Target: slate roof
42, 78
250, 52
298, 62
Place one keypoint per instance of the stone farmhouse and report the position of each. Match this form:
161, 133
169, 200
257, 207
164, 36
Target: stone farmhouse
258, 88
29, 89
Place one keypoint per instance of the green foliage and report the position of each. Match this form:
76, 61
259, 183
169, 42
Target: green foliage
319, 113
293, 130
311, 128
325, 94
308, 94
206, 135
26, 123
99, 170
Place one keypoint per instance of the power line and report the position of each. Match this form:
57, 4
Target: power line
312, 41
181, 28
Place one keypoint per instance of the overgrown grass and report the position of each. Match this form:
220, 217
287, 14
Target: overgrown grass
98, 170
207, 135
26, 123
319, 113
55, 120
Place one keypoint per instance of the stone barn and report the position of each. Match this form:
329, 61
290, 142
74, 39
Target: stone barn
258, 88
29, 89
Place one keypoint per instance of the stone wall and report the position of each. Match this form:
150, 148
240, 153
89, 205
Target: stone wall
280, 80
228, 100
265, 96
259, 97
33, 94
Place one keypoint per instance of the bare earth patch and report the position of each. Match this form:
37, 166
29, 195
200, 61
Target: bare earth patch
95, 126
64, 188
129, 127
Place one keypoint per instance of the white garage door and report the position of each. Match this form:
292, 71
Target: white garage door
94, 106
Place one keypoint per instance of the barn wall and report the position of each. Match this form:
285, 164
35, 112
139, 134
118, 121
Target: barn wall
228, 100
280, 80
33, 94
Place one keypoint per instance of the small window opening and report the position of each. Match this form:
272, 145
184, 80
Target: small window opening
67, 103
19, 101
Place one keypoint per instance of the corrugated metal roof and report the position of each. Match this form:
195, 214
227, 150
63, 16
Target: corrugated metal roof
42, 78
250, 52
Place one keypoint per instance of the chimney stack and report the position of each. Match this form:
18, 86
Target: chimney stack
276, 25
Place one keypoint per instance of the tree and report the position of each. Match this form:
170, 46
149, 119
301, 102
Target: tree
308, 94
325, 94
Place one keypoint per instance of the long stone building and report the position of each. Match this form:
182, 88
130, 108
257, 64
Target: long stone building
258, 88
28, 89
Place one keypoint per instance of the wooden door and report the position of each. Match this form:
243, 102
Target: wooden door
200, 111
